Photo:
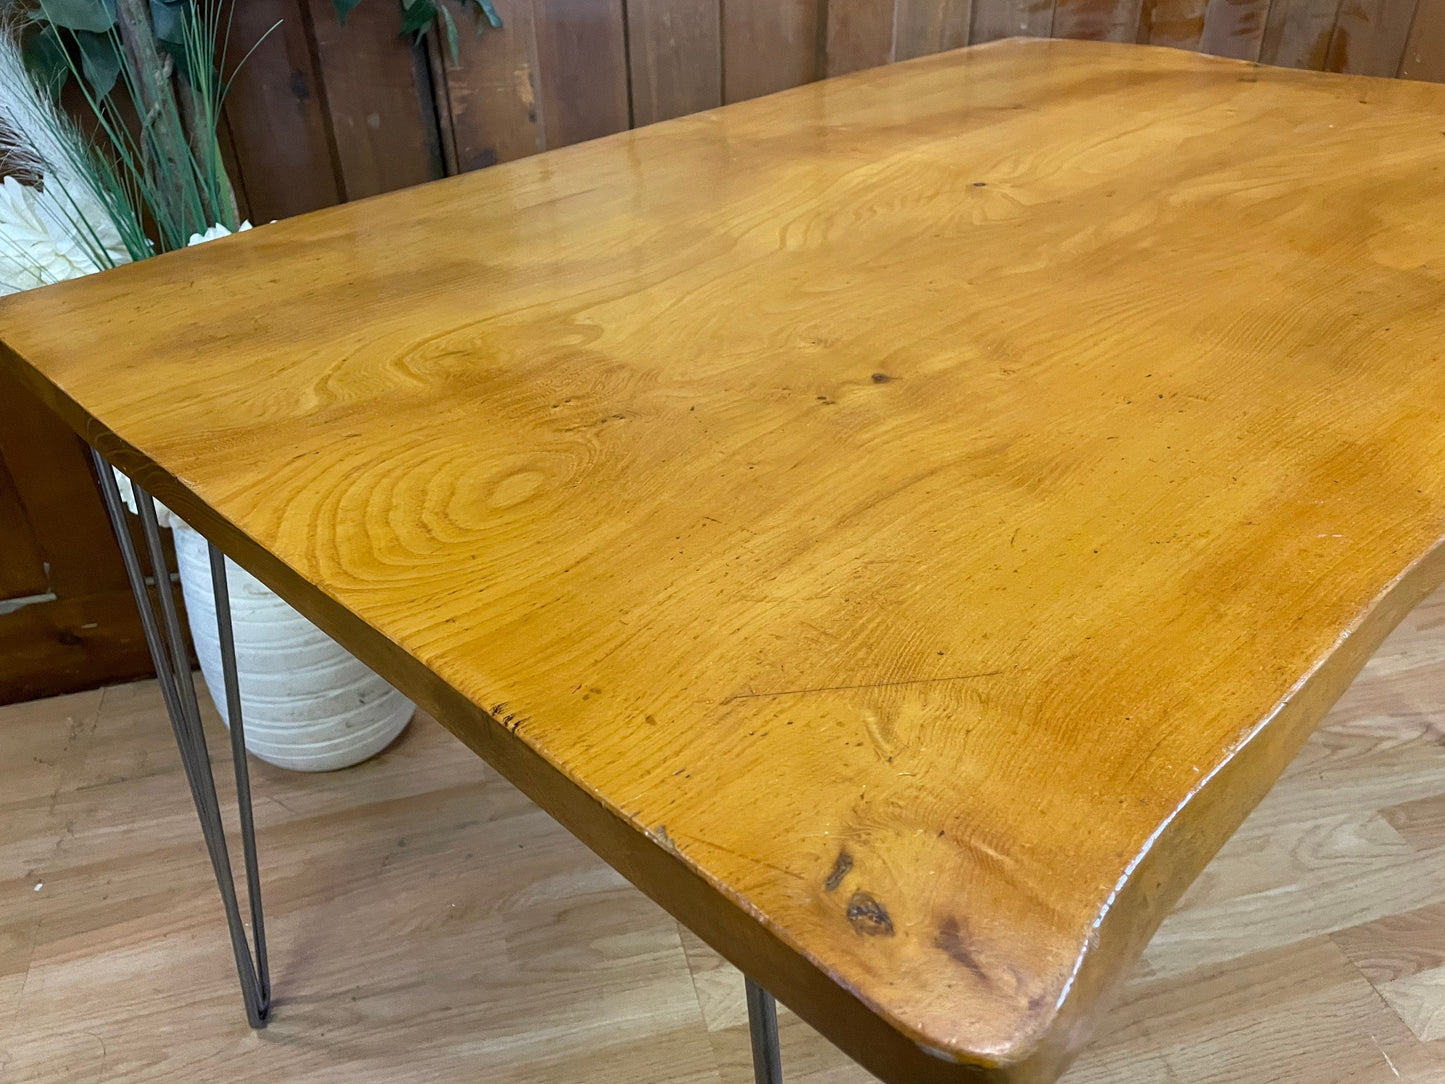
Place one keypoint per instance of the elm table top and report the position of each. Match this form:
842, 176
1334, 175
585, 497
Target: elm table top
904, 523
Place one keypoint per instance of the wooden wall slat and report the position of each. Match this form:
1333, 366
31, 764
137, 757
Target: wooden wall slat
1297, 33
492, 88
1234, 28
70, 644
438, 53
859, 35
378, 99
1097, 20
582, 68
22, 571
277, 121
90, 634
51, 471
1369, 36
923, 27
1177, 23
674, 50
1424, 56
768, 45
994, 19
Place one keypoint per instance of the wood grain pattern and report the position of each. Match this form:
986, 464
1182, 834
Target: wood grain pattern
543, 965
808, 504
674, 50
292, 154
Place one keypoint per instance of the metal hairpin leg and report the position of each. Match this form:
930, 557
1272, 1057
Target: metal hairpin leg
763, 1028
178, 689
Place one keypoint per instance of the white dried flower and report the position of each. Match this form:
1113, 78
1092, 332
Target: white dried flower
214, 232
38, 237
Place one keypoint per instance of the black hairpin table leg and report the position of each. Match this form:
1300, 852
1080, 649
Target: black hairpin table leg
168, 651
763, 1029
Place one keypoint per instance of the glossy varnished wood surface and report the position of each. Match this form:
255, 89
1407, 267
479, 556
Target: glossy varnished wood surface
903, 524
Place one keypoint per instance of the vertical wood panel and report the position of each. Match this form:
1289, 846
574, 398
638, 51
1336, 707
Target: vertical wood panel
1297, 33
1097, 20
1425, 48
492, 88
1176, 23
594, 70
438, 53
51, 471
90, 634
923, 27
859, 35
277, 121
378, 98
1369, 37
768, 45
674, 49
994, 19
1234, 28
226, 144
22, 572
582, 65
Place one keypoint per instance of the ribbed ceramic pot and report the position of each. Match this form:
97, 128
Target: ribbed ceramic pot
308, 704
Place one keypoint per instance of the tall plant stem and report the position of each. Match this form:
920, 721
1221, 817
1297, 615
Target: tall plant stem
200, 130
163, 134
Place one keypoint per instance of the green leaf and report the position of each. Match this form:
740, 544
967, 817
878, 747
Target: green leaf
491, 13
344, 8
169, 19
95, 15
453, 45
99, 59
417, 15
45, 57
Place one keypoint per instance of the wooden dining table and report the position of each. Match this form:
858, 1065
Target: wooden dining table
904, 524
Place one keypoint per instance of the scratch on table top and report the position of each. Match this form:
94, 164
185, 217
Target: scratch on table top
861, 685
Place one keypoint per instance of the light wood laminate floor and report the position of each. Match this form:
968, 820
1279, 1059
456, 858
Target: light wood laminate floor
428, 924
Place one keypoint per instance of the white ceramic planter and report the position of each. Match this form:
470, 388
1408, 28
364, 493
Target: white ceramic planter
307, 703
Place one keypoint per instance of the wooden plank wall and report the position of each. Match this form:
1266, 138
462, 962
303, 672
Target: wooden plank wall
325, 113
